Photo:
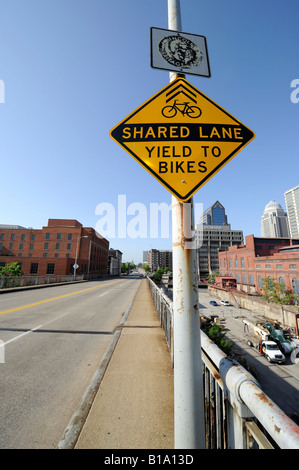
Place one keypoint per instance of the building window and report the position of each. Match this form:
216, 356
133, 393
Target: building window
12, 237
69, 245
70, 236
251, 280
242, 263
2, 236
22, 237
236, 262
268, 266
292, 266
230, 263
238, 278
46, 246
50, 268
221, 263
45, 255
67, 255
279, 266
31, 246
258, 266
56, 255
281, 281
295, 284
260, 282
33, 238
244, 279
47, 236
58, 236
33, 268
57, 246
11, 246
21, 246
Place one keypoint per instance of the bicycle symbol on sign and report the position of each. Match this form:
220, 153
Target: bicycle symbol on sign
184, 108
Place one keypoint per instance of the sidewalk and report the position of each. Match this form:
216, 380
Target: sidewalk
133, 408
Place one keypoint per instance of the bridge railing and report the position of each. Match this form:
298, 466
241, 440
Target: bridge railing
34, 280
238, 414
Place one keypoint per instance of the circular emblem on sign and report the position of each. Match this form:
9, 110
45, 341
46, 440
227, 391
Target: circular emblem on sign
180, 52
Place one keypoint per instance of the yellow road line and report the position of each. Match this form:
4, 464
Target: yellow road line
56, 298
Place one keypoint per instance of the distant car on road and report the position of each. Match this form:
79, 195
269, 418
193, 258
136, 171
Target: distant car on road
224, 302
212, 302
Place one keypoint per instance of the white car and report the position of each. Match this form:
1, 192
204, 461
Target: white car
224, 302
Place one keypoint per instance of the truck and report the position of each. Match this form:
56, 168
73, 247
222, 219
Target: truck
277, 335
259, 337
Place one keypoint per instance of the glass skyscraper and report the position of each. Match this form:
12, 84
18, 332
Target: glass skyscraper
214, 233
214, 215
292, 205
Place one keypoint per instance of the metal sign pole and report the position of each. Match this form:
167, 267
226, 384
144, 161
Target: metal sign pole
188, 379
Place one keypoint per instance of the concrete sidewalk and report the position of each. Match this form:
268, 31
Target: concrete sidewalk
133, 408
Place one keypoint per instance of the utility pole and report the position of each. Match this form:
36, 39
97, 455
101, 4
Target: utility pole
189, 420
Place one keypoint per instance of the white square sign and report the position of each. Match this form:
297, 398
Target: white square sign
179, 52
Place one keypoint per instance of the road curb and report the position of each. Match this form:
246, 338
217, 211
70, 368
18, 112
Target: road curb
76, 423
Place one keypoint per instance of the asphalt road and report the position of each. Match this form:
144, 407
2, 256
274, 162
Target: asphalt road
280, 382
54, 339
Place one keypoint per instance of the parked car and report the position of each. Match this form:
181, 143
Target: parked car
224, 302
212, 302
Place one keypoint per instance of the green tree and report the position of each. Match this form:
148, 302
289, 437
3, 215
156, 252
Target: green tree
274, 291
146, 267
211, 277
158, 274
11, 269
214, 332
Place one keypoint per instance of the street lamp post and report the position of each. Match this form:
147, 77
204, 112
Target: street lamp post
75, 265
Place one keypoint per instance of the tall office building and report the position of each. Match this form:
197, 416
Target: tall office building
212, 234
214, 215
274, 223
144, 257
292, 205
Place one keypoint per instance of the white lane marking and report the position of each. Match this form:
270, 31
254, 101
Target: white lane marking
103, 294
23, 334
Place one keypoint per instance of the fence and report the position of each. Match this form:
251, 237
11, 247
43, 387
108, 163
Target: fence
238, 415
22, 281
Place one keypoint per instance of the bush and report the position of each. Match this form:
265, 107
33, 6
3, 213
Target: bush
214, 332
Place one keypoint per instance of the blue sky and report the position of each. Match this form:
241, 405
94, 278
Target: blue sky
73, 69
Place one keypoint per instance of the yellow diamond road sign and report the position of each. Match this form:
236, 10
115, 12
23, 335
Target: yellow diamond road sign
181, 137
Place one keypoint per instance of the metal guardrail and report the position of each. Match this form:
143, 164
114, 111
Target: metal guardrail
22, 281
238, 414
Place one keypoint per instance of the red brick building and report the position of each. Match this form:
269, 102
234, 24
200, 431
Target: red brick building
55, 248
261, 258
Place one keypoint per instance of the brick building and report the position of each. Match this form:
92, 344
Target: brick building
55, 248
159, 259
260, 258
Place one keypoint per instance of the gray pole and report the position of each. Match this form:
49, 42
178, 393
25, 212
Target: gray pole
189, 430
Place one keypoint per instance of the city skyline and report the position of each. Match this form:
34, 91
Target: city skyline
62, 93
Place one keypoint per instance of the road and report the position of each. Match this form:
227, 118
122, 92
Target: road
54, 339
279, 382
